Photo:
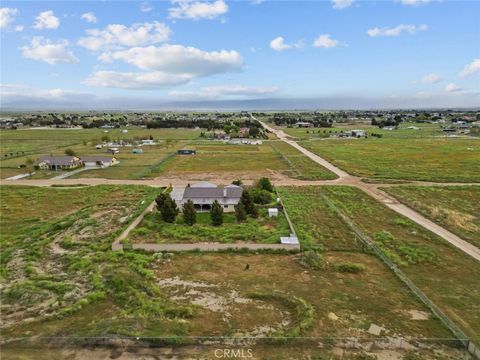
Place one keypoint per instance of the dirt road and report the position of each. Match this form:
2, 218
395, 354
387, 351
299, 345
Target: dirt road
374, 191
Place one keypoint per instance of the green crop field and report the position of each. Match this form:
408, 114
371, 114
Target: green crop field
434, 265
234, 160
409, 159
457, 208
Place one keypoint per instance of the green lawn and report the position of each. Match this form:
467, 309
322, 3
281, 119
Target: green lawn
262, 230
447, 275
457, 208
439, 159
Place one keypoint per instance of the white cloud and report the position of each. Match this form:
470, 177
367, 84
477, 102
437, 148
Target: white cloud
46, 20
452, 88
145, 7
42, 49
136, 80
7, 15
186, 9
19, 28
325, 41
117, 35
179, 59
257, 2
278, 44
341, 4
470, 69
397, 30
89, 17
432, 78
414, 2
230, 90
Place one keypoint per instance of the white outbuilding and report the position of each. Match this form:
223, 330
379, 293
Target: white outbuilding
272, 212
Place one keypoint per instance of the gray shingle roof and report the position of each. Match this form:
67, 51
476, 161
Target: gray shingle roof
58, 160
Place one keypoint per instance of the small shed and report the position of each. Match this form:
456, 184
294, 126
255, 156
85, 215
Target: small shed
292, 239
137, 151
272, 212
186, 152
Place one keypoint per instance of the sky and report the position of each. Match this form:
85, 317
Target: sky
349, 54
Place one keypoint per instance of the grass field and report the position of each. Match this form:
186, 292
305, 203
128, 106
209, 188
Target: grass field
18, 145
153, 229
435, 266
58, 268
409, 159
457, 208
237, 159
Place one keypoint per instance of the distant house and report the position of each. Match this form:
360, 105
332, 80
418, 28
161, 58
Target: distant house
203, 194
148, 142
137, 151
102, 161
358, 133
303, 124
58, 162
186, 152
113, 151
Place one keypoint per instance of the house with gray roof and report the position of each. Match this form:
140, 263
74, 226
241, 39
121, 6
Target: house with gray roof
99, 161
203, 194
58, 162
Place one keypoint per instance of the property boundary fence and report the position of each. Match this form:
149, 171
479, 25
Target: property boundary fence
459, 334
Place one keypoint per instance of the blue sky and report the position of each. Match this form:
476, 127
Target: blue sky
404, 53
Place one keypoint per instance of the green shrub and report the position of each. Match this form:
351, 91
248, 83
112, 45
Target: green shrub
312, 260
353, 268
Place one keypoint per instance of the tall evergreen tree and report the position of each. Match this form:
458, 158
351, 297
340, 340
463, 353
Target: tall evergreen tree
216, 214
240, 212
189, 213
160, 200
248, 204
168, 208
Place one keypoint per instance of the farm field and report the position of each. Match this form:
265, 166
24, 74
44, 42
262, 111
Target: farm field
236, 160
435, 266
455, 208
153, 229
443, 160
16, 146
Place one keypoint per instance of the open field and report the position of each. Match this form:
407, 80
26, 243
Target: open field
57, 268
409, 159
455, 208
19, 145
435, 266
153, 229
261, 160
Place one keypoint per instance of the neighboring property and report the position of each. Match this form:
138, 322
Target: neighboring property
358, 133
203, 194
58, 162
102, 161
186, 152
303, 124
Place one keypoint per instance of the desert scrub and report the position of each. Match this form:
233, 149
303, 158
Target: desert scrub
304, 317
353, 268
312, 260
403, 253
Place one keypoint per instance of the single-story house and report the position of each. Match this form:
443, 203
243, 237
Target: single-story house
303, 124
102, 161
186, 152
58, 162
358, 133
203, 194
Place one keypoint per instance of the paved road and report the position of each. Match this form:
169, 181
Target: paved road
374, 191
